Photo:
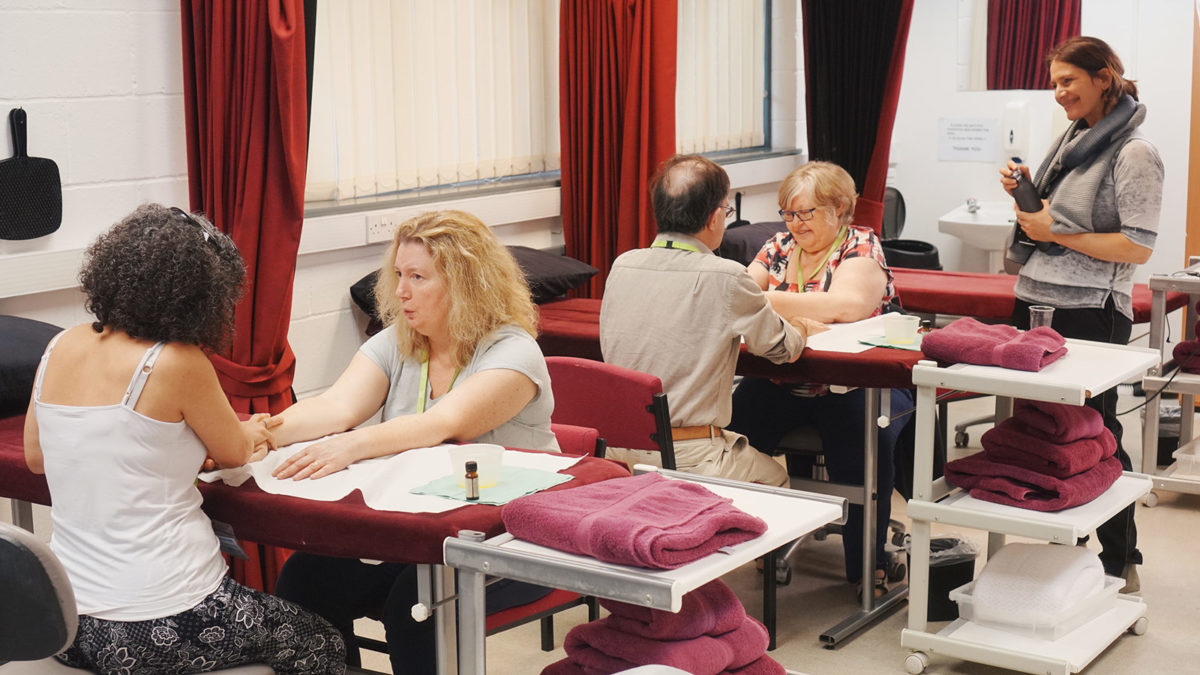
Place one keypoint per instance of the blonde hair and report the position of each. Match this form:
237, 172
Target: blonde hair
485, 285
827, 183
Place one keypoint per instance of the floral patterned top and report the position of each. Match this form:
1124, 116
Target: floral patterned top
860, 242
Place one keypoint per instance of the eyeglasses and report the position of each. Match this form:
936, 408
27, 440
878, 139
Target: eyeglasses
728, 210
803, 216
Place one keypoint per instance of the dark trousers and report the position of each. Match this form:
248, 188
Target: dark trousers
344, 589
764, 412
1118, 536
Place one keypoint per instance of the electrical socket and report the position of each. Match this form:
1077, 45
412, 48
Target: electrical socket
380, 227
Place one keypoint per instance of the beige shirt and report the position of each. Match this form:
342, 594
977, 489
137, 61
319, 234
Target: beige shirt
681, 316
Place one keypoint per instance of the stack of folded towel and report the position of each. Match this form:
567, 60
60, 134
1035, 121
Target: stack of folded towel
969, 341
710, 635
1187, 352
645, 521
1046, 457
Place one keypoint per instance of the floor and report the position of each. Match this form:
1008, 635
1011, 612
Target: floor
818, 597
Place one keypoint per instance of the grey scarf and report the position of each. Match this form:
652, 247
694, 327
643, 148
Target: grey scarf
1074, 168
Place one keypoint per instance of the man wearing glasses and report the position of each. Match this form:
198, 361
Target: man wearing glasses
676, 311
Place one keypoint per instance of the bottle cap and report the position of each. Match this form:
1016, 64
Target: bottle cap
471, 467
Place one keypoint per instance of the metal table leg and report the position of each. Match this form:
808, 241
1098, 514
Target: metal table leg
871, 608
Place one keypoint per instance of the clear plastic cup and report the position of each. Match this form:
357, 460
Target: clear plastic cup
900, 329
487, 457
1040, 315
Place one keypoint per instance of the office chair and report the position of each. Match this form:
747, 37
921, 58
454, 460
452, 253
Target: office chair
37, 609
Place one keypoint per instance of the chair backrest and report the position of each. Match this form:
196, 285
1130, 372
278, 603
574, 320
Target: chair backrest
894, 213
627, 407
578, 441
37, 605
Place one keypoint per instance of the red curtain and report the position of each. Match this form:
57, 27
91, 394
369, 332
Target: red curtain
617, 112
247, 143
852, 91
1019, 35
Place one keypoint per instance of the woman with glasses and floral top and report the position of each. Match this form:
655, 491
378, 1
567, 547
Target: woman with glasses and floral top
826, 268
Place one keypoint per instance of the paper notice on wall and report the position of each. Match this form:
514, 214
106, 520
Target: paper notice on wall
967, 139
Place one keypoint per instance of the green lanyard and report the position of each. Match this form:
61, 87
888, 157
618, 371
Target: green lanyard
667, 243
425, 383
820, 268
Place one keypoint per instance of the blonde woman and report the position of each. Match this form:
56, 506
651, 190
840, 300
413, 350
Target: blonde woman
456, 361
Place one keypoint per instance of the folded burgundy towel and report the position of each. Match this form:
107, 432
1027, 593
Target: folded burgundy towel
1187, 355
1011, 442
969, 341
1017, 486
1058, 422
764, 665
647, 521
597, 646
711, 609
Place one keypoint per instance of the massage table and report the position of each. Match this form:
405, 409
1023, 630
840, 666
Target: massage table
987, 297
345, 528
790, 514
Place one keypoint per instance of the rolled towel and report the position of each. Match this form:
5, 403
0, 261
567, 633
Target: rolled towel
1017, 486
712, 609
646, 521
1011, 442
1058, 422
1187, 355
597, 646
969, 341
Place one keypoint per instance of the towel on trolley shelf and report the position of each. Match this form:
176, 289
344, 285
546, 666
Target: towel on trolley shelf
966, 340
1013, 442
764, 665
1058, 422
1025, 488
597, 647
711, 609
646, 521
1187, 355
1030, 584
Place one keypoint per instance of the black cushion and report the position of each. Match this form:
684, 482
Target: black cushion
743, 242
24, 341
550, 276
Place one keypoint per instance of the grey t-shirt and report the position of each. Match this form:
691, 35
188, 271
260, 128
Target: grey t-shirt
508, 347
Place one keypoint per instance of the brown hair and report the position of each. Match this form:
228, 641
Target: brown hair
685, 191
486, 287
1093, 55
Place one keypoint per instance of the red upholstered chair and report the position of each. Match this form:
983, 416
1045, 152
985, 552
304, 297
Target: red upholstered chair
627, 407
578, 441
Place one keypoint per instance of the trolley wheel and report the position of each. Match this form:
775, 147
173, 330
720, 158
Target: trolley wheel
820, 534
783, 572
961, 439
901, 539
896, 571
1139, 626
1151, 499
915, 663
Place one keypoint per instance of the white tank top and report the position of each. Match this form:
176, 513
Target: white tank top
127, 521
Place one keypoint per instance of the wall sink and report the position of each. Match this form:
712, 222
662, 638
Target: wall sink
987, 229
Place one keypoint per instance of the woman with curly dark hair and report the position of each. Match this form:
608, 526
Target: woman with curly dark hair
123, 414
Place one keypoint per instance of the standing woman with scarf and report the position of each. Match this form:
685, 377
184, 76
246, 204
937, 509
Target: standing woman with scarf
1101, 186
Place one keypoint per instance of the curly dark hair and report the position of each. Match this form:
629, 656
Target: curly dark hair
164, 275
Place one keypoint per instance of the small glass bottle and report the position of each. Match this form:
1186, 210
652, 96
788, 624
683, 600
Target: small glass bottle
472, 481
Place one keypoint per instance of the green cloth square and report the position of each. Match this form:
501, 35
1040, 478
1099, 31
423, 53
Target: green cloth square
514, 482
881, 341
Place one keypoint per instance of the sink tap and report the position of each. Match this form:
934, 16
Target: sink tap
972, 205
